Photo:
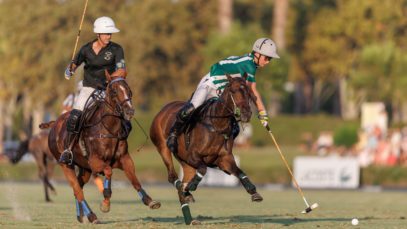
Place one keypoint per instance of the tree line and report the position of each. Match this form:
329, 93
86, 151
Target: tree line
336, 54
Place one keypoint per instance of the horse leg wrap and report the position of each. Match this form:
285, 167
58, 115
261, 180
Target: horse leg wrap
86, 209
187, 214
142, 194
178, 184
79, 211
193, 184
107, 190
247, 184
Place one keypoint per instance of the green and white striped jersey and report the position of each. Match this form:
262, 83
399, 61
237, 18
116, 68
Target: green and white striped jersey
235, 66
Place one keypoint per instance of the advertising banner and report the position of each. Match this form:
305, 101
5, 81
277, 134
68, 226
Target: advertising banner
327, 172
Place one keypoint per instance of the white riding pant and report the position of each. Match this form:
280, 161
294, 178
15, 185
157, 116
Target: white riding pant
204, 91
82, 98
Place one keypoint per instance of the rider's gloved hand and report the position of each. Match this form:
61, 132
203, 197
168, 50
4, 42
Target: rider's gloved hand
263, 118
68, 73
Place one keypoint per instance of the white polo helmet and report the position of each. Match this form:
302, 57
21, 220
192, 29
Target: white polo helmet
267, 47
104, 25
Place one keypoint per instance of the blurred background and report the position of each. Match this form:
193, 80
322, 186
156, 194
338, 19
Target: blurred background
338, 89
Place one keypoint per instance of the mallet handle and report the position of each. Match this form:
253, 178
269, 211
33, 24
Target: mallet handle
79, 34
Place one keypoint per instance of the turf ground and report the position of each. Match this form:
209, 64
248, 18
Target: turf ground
22, 206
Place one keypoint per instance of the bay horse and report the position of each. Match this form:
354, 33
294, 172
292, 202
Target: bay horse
101, 146
208, 141
37, 145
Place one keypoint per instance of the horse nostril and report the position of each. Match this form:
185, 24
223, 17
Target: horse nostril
130, 112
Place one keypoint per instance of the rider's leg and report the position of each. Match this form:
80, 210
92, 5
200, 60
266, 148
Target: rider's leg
72, 127
182, 116
72, 124
199, 97
202, 93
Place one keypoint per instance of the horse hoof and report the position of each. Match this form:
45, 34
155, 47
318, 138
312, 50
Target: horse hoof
154, 205
93, 219
105, 207
80, 219
256, 197
195, 222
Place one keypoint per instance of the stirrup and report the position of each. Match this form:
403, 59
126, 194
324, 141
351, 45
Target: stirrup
66, 157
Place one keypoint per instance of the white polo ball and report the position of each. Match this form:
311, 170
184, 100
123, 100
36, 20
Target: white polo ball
355, 221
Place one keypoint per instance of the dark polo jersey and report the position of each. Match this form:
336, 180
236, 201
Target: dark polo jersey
110, 57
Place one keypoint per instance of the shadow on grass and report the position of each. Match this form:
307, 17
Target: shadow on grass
174, 220
251, 219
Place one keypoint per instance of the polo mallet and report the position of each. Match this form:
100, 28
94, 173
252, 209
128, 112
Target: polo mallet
309, 208
79, 34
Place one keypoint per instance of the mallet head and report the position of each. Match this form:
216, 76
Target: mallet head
310, 208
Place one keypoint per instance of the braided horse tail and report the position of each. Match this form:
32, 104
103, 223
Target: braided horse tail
47, 125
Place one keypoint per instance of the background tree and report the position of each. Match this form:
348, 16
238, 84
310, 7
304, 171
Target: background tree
225, 15
338, 53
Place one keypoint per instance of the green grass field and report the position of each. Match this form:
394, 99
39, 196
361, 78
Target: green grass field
22, 206
256, 162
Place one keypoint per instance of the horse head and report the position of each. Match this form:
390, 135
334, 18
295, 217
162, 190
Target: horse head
118, 95
20, 152
237, 96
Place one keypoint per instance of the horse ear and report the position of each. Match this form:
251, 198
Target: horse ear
229, 78
245, 76
108, 76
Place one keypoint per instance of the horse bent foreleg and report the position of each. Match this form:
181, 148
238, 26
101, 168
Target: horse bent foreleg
194, 182
196, 162
127, 165
228, 165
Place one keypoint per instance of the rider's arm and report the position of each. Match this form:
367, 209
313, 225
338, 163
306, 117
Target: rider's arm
78, 59
259, 102
120, 64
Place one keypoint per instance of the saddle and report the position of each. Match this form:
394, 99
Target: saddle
198, 117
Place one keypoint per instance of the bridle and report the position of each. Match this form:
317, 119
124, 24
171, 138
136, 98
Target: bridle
116, 111
232, 112
118, 108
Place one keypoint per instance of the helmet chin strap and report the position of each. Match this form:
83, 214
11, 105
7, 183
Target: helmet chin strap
257, 59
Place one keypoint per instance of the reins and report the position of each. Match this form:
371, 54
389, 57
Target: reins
116, 112
232, 113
